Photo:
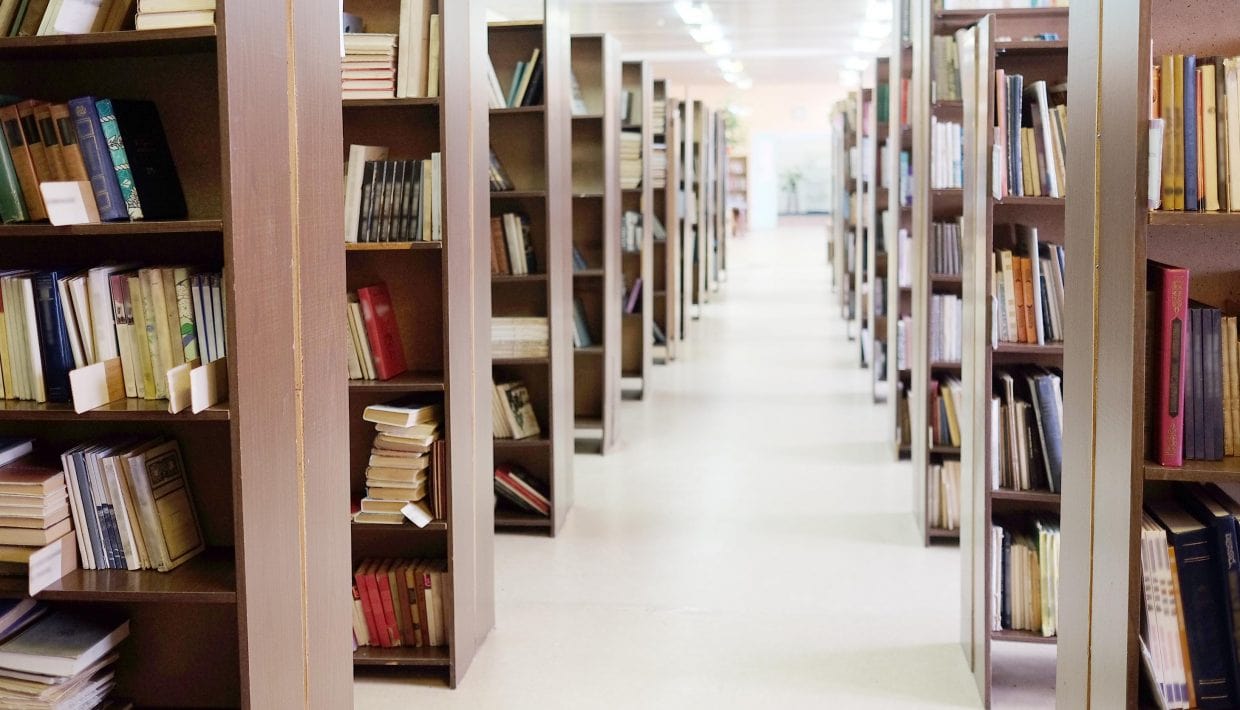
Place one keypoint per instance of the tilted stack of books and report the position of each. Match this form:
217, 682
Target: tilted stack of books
406, 466
512, 245
512, 412
515, 485
1028, 299
1024, 571
1031, 138
1027, 430
58, 657
376, 350
943, 504
630, 160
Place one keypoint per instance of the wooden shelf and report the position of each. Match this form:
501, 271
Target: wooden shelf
1049, 350
395, 246
1205, 220
405, 656
1023, 47
945, 366
1014, 201
518, 194
1225, 471
945, 450
588, 117
590, 350
114, 229
418, 102
1009, 636
517, 111
209, 578
129, 43
534, 442
126, 410
405, 382
434, 526
518, 278
521, 361
510, 519
941, 534
1026, 497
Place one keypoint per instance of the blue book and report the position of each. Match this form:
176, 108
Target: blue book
516, 84
53, 337
1190, 133
1214, 507
98, 159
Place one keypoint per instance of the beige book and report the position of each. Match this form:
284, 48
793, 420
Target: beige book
433, 59
1209, 136
359, 339
165, 507
1229, 364
144, 373
394, 459
387, 442
1233, 348
160, 286
158, 388
390, 476
417, 431
378, 518
402, 493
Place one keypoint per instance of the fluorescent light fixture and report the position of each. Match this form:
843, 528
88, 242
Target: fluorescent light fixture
707, 33
731, 66
694, 13
857, 64
866, 45
719, 48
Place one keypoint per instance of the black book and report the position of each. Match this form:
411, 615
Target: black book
386, 185
93, 530
1016, 91
1215, 508
53, 337
534, 94
413, 202
1209, 644
365, 229
531, 257
1005, 608
399, 170
1048, 393
1213, 356
154, 172
1191, 368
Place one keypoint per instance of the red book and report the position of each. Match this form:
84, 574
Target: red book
523, 489
359, 576
391, 628
382, 331
1171, 288
378, 632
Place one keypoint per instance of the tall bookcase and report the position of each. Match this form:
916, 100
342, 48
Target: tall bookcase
877, 235
666, 203
929, 206
637, 338
899, 224
982, 52
738, 197
1111, 233
843, 222
264, 466
534, 144
710, 203
687, 210
443, 307
596, 236
863, 231
696, 183
723, 198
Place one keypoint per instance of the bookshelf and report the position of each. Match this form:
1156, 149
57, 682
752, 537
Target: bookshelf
261, 465
713, 202
596, 236
697, 178
428, 281
687, 210
1108, 475
723, 209
738, 196
985, 356
666, 206
898, 238
843, 221
535, 147
637, 338
877, 234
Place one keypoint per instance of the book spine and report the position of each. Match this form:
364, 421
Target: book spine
1173, 355
1189, 109
97, 159
53, 338
71, 153
378, 632
120, 159
1203, 612
12, 205
390, 628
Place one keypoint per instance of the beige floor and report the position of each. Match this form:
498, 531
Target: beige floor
749, 543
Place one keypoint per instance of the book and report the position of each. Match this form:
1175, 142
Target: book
382, 331
12, 448
518, 410
1171, 289
402, 414
174, 20
31, 204
63, 643
97, 158
150, 161
120, 158
165, 506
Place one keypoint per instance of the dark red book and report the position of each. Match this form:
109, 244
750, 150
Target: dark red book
390, 629
378, 636
363, 591
1171, 288
382, 331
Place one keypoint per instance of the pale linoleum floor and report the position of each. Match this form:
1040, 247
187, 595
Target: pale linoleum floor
748, 543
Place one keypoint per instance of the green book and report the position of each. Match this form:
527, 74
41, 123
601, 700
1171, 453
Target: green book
12, 205
13, 29
120, 159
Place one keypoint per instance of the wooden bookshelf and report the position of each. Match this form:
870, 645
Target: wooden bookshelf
695, 179
1112, 233
899, 222
843, 221
536, 149
637, 336
597, 213
261, 465
428, 281
713, 192
666, 209
738, 196
687, 211
877, 236
723, 208
982, 506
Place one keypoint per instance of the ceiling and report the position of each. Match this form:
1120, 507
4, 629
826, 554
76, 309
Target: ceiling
778, 41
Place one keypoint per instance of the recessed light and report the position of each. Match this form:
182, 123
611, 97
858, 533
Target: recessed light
719, 48
707, 33
694, 13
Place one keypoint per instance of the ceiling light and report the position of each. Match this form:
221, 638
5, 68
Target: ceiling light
876, 30
719, 48
731, 66
850, 79
866, 45
878, 11
707, 33
731, 77
693, 13
857, 64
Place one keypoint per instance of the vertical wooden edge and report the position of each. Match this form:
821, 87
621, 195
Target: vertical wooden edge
467, 282
647, 203
319, 210
673, 224
612, 213
919, 398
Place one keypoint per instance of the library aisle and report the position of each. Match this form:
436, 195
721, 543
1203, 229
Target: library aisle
749, 543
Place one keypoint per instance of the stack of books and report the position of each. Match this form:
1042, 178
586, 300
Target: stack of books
131, 504
154, 319
116, 146
946, 155
520, 337
946, 398
392, 200
943, 501
658, 164
415, 30
946, 257
904, 327
630, 160
1027, 431
1031, 138
515, 485
1028, 302
163, 14
1024, 571
512, 412
512, 245
368, 70
34, 505
376, 350
525, 88
499, 178
58, 658
405, 469
946, 321
658, 112
631, 232
400, 603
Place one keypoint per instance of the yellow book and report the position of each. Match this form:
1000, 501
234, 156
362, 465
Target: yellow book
1177, 154
1166, 96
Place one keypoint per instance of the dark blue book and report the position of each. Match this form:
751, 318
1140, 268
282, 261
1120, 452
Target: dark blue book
1050, 429
1005, 597
1190, 132
98, 159
1212, 506
1214, 374
88, 505
1205, 621
53, 337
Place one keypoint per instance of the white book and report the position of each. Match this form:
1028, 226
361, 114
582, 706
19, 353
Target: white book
174, 20
1156, 158
101, 317
49, 17
71, 327
414, 43
63, 643
218, 316
360, 339
497, 100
